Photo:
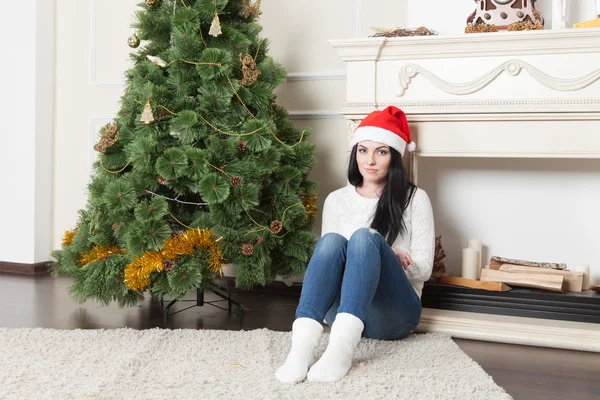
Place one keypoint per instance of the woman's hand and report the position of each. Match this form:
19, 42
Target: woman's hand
404, 258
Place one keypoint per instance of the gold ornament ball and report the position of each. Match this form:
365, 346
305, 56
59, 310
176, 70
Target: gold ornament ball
133, 41
152, 3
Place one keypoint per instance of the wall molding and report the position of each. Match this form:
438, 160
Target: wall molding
484, 110
41, 268
511, 67
92, 57
497, 44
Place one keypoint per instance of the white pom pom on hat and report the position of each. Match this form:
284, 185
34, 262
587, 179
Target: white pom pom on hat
387, 126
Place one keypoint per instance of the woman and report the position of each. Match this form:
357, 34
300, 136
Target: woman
375, 252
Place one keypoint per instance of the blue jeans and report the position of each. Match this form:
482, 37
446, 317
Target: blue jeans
363, 277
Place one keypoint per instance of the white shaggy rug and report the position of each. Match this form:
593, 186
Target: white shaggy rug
210, 364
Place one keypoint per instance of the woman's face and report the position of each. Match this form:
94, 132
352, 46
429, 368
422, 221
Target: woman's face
373, 161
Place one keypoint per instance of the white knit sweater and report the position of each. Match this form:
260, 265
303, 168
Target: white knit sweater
345, 211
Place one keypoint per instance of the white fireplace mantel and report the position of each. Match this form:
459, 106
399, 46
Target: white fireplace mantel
532, 94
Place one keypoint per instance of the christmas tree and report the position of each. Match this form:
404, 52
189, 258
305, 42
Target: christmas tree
199, 168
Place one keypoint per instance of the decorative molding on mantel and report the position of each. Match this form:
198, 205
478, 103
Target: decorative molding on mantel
516, 330
525, 43
509, 154
485, 110
511, 67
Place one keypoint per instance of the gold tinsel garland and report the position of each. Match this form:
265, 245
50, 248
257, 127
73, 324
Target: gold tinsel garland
137, 273
68, 238
99, 253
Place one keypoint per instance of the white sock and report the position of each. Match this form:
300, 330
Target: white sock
306, 334
337, 359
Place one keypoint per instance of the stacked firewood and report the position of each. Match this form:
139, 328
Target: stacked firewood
502, 273
539, 275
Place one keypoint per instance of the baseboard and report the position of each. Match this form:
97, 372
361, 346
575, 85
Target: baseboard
42, 268
515, 330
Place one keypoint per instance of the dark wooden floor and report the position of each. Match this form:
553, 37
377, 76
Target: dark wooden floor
525, 372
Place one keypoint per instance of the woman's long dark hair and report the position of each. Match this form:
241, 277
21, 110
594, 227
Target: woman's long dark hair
395, 198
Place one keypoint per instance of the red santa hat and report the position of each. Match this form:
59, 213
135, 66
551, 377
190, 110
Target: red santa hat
388, 126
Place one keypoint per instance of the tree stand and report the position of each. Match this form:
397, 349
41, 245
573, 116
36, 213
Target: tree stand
225, 295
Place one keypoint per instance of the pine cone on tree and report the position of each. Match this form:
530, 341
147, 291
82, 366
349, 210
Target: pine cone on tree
162, 180
242, 146
168, 265
247, 249
235, 181
276, 226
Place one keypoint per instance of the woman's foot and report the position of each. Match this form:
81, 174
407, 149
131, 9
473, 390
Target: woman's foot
337, 359
306, 334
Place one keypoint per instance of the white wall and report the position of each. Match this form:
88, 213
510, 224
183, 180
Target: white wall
27, 81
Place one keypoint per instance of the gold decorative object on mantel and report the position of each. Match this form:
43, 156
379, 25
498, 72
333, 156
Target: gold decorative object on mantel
480, 28
399, 32
594, 23
525, 26
503, 13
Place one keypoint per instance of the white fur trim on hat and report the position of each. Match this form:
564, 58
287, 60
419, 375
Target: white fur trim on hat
379, 135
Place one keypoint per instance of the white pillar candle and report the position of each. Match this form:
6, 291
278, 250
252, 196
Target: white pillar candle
475, 244
559, 14
586, 275
470, 269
